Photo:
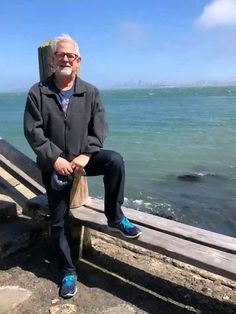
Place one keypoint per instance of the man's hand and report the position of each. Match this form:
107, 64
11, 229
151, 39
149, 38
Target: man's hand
62, 166
79, 162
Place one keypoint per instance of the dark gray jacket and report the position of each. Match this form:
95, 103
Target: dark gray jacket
51, 134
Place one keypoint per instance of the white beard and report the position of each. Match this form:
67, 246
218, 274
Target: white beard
64, 71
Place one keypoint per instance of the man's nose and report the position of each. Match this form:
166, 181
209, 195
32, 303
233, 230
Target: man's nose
65, 57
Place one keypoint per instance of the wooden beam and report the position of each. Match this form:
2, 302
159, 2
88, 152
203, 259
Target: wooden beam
20, 160
198, 255
21, 176
181, 230
45, 60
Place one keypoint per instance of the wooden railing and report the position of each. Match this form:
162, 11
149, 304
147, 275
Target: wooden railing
202, 248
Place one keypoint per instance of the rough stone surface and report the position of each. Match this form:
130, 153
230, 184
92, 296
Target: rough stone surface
114, 279
122, 308
17, 233
11, 296
64, 309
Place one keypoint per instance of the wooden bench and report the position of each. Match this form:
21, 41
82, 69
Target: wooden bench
198, 247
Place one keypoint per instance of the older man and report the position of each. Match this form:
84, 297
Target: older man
64, 123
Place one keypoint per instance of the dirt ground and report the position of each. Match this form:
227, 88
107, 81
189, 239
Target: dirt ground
116, 277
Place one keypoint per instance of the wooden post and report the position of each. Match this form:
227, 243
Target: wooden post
81, 240
45, 60
79, 195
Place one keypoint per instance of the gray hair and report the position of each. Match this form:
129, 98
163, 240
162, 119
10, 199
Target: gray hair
63, 37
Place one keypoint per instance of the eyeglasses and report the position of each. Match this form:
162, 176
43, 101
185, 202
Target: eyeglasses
70, 56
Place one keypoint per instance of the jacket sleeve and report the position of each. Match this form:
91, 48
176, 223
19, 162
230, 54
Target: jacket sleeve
97, 127
46, 151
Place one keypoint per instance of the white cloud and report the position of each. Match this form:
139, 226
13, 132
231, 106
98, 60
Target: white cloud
217, 13
133, 32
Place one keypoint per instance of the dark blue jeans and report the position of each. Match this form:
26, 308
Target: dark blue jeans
107, 163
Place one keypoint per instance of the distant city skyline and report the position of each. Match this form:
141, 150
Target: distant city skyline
171, 41
150, 85
157, 84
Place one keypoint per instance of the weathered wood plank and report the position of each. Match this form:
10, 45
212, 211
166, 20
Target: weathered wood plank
20, 160
21, 176
45, 60
194, 234
207, 258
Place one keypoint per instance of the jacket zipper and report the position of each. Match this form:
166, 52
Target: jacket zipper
65, 129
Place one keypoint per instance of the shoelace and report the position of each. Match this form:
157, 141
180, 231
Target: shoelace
68, 280
126, 223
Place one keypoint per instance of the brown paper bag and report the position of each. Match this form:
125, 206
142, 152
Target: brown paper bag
79, 191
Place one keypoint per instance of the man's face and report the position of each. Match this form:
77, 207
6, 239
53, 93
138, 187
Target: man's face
65, 60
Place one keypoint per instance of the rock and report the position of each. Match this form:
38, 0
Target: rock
121, 308
54, 301
17, 234
4, 276
206, 290
11, 296
189, 177
64, 309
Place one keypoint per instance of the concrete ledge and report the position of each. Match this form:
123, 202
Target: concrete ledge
18, 233
11, 297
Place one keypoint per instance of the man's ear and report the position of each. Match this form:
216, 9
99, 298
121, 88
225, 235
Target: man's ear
78, 66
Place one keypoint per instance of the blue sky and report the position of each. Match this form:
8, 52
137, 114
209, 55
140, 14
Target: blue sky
174, 41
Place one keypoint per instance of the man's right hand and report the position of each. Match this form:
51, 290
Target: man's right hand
62, 166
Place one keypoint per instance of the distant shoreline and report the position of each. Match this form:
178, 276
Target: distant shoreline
154, 87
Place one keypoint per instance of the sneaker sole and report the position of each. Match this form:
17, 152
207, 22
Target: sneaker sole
124, 235
69, 295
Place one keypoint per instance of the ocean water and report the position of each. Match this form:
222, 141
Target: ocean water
179, 146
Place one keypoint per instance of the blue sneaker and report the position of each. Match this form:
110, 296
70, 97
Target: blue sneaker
68, 286
126, 228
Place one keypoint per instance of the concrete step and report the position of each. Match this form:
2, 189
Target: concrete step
19, 232
11, 296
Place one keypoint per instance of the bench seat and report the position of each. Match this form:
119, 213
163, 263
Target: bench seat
182, 245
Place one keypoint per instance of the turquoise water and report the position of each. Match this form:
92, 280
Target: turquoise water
164, 134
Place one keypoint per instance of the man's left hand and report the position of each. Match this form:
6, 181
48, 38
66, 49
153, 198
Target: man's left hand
79, 162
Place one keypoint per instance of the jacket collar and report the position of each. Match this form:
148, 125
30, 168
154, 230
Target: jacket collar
48, 86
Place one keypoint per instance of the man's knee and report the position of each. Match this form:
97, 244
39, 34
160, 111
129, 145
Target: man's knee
116, 160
